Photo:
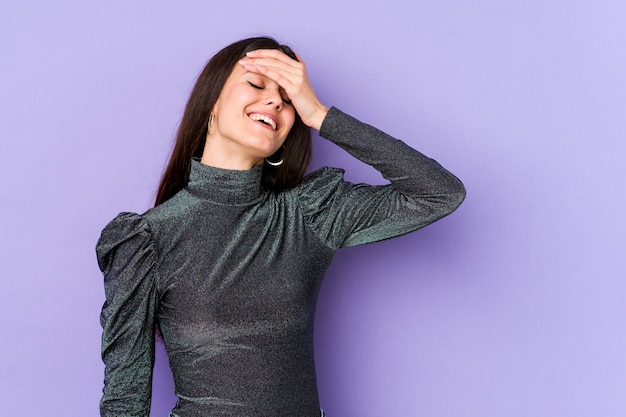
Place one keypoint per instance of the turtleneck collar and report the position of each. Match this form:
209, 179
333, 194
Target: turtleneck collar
224, 186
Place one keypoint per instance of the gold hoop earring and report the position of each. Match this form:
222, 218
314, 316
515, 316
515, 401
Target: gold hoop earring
211, 118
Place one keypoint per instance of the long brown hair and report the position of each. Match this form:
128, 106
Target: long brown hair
192, 131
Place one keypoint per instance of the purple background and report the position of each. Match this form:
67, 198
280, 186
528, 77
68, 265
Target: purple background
513, 306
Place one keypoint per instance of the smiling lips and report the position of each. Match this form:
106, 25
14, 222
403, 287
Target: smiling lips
265, 118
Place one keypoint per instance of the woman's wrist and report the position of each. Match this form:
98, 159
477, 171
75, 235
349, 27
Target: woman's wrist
318, 118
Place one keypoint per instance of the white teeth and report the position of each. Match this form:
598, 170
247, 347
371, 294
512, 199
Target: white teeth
268, 120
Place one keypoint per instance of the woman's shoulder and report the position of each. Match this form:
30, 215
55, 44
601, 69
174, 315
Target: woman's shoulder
319, 187
124, 225
127, 230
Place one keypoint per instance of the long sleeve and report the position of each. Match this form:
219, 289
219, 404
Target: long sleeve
126, 256
344, 214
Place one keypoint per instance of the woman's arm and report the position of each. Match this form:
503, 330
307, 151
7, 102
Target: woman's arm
410, 172
126, 256
346, 214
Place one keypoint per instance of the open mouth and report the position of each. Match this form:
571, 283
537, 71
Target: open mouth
265, 119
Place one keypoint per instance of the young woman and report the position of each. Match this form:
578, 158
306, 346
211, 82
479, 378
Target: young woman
229, 262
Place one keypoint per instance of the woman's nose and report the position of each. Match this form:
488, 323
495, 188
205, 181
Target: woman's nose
273, 98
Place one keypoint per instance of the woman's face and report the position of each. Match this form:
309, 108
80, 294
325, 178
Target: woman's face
252, 118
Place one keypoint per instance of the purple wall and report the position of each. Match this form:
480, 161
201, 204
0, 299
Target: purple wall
513, 306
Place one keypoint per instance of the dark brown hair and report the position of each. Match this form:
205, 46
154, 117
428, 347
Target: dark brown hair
192, 131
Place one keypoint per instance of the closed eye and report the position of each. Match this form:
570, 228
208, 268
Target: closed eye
258, 87
284, 97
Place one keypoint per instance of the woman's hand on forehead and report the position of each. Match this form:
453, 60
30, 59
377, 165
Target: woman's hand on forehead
292, 76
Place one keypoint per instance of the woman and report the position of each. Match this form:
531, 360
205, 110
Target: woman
229, 262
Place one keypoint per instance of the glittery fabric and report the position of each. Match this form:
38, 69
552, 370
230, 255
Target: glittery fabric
231, 274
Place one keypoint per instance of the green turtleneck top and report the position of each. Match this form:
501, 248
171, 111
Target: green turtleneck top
230, 273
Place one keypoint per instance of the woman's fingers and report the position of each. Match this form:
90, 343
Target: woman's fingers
277, 63
275, 54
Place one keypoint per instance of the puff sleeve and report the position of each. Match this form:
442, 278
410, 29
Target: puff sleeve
344, 214
126, 257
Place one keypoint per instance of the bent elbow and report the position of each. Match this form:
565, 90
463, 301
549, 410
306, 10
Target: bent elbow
449, 196
456, 195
